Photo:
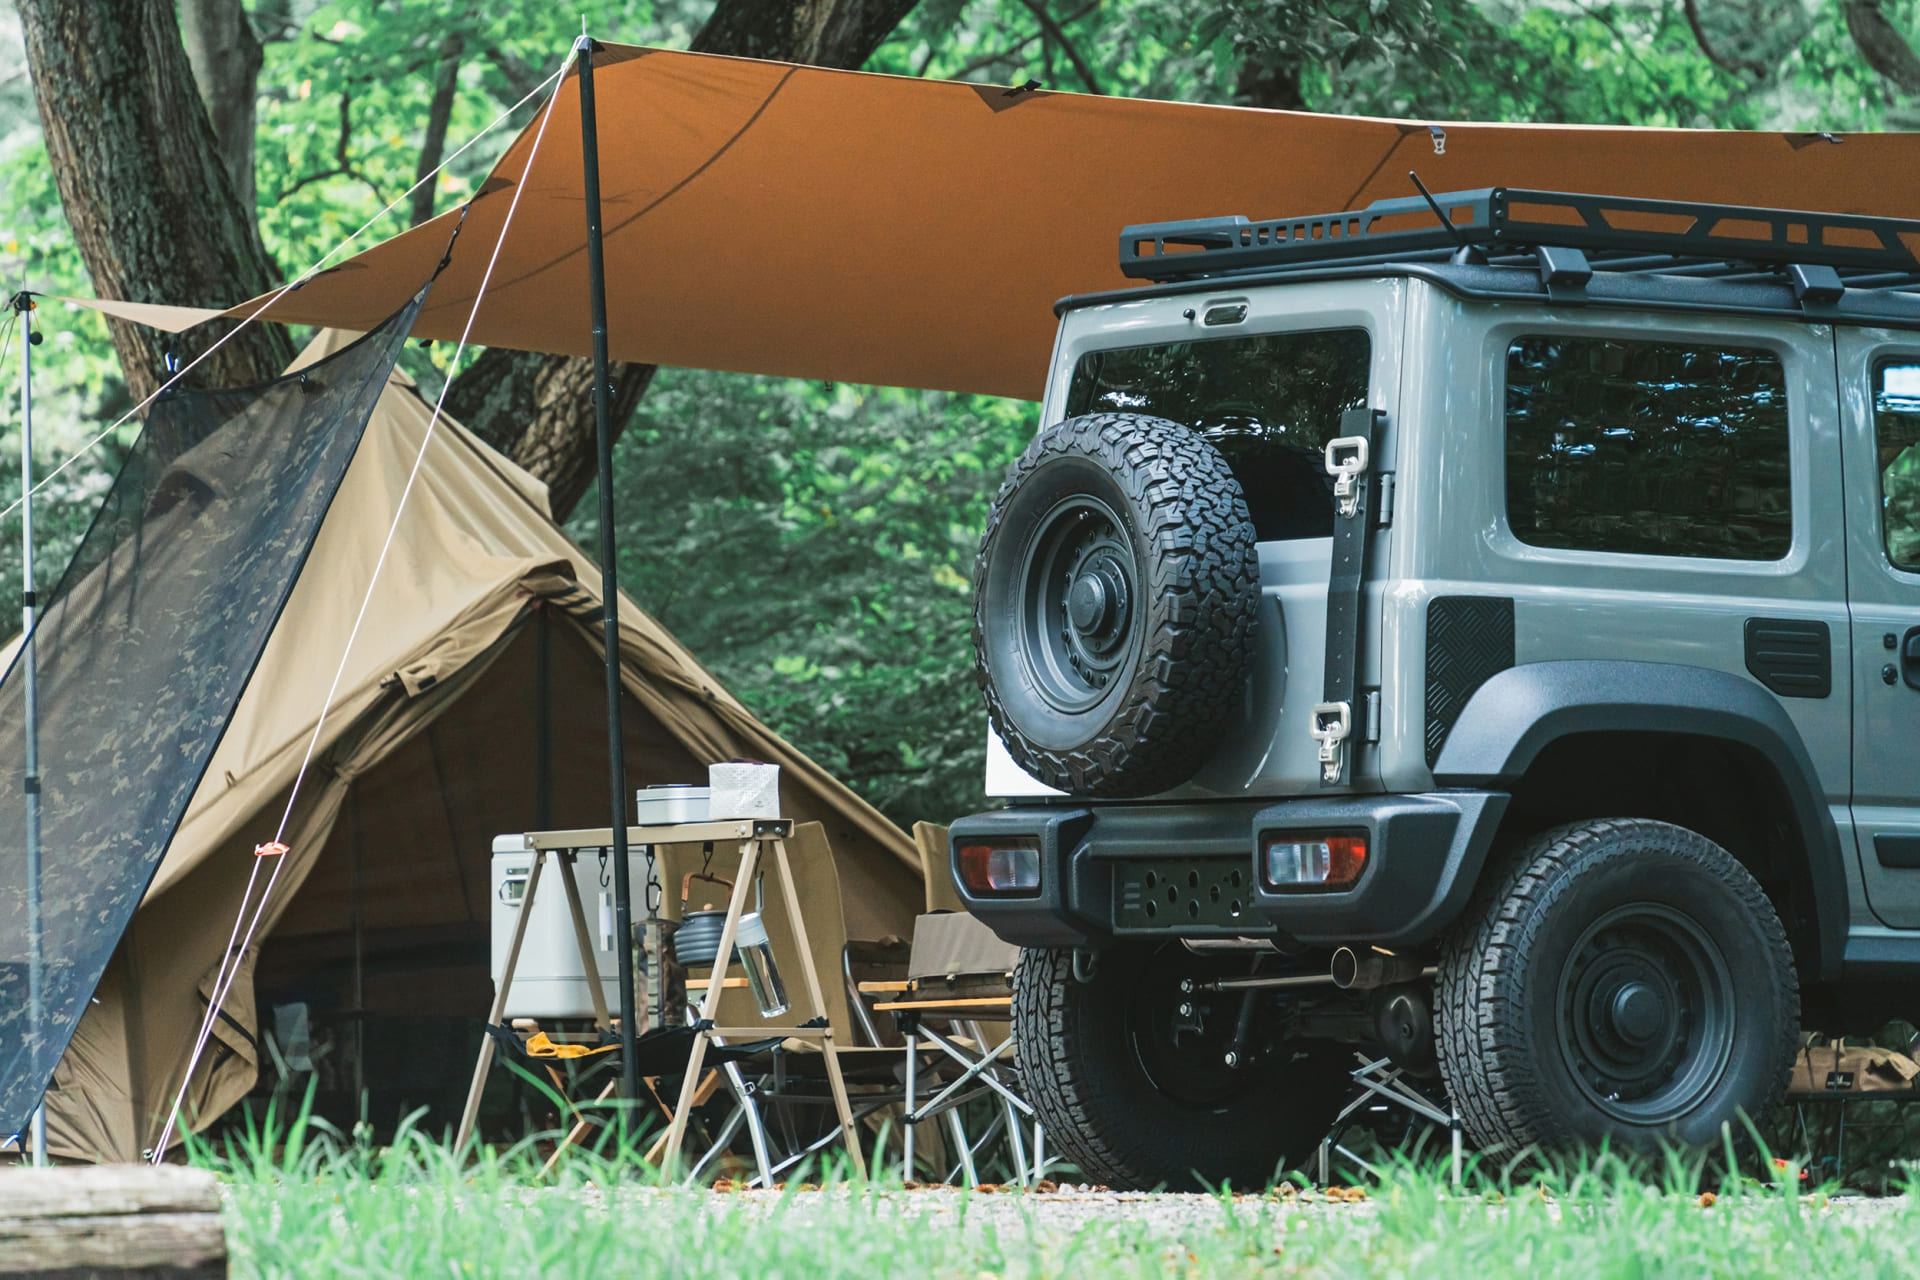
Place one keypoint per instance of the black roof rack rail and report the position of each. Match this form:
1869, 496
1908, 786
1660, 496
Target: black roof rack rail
1509, 219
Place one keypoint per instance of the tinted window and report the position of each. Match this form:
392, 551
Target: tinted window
1896, 424
1657, 448
1268, 403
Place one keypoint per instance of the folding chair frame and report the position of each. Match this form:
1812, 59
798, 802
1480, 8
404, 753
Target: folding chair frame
1379, 1078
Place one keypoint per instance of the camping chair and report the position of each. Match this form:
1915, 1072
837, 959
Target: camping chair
930, 840
959, 980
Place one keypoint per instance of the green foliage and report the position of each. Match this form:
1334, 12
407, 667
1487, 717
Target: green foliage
346, 87
1580, 61
303, 1200
814, 545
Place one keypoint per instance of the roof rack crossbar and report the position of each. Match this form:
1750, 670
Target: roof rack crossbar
1517, 218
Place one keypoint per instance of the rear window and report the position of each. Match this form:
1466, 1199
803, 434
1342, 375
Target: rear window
1269, 403
1652, 448
1896, 424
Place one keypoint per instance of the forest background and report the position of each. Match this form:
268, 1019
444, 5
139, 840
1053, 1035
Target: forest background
810, 542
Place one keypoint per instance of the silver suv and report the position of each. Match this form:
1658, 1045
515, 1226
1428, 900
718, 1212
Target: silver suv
1482, 629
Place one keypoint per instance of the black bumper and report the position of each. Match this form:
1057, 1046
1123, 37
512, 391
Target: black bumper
1111, 872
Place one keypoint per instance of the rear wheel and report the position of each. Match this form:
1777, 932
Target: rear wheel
1626, 979
1130, 1077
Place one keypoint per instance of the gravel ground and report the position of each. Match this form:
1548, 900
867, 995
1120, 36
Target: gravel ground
1068, 1209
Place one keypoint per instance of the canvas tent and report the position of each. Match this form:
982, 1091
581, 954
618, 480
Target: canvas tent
797, 221
481, 641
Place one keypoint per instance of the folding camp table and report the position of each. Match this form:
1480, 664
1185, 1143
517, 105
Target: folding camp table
758, 840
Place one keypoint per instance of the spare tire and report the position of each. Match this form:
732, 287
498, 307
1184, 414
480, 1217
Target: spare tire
1114, 600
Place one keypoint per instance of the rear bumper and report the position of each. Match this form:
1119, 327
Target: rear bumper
1098, 861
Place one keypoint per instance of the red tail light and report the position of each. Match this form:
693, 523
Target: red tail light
1307, 862
1006, 868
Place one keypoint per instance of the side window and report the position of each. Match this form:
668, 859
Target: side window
1269, 403
1896, 426
1654, 448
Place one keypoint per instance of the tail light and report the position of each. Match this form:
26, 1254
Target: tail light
1294, 862
1005, 868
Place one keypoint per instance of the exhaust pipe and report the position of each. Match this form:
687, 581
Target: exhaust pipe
1354, 971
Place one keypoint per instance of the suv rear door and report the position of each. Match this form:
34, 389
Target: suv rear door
1879, 371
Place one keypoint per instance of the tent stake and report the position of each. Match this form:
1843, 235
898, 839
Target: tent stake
609, 576
36, 963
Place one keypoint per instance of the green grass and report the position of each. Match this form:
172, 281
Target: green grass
310, 1202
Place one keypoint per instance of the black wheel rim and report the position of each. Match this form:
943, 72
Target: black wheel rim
1079, 591
1646, 1014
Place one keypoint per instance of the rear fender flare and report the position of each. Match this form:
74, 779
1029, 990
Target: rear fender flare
1517, 713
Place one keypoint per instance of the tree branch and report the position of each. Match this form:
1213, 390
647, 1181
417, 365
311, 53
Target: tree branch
1732, 66
521, 79
343, 167
1052, 29
1882, 45
1013, 54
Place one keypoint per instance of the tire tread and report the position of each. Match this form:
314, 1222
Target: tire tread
1201, 599
1490, 1066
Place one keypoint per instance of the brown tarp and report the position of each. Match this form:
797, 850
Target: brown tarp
428, 752
787, 220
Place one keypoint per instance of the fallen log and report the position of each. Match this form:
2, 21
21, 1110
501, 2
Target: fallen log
128, 1222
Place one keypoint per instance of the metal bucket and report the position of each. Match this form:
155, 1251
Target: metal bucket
696, 943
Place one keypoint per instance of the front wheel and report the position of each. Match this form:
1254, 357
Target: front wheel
1130, 1077
1625, 979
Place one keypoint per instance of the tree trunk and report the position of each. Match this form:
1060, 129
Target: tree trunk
824, 33
1275, 86
226, 61
446, 82
538, 410
1882, 45
140, 175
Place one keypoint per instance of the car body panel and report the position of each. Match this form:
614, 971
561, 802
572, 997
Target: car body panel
1439, 362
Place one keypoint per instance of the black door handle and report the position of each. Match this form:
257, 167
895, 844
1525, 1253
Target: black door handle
1910, 657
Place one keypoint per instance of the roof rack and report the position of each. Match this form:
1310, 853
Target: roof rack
1630, 234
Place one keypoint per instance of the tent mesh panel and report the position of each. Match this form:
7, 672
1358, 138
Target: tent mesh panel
140, 658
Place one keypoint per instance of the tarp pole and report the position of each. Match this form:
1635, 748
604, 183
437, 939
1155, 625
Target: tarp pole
609, 576
36, 961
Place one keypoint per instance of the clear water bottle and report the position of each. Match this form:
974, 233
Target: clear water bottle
755, 951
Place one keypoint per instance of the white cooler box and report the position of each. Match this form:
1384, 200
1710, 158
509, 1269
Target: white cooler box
549, 981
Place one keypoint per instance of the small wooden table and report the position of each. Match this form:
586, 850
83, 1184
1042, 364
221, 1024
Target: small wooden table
757, 839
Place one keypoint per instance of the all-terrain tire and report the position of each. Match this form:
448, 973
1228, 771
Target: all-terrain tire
1537, 1050
1131, 701
1104, 1112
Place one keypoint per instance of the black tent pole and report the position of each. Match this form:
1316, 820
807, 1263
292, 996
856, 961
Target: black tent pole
609, 576
23, 306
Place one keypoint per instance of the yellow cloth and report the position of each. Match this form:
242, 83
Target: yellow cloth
538, 1046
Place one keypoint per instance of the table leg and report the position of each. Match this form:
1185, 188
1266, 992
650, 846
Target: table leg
709, 1006
838, 1084
470, 1114
588, 965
